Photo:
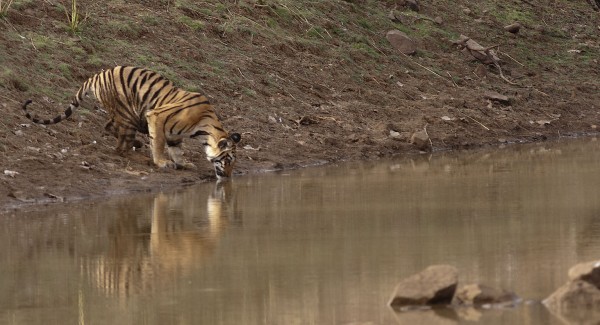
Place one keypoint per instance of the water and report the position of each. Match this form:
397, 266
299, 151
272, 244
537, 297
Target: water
314, 246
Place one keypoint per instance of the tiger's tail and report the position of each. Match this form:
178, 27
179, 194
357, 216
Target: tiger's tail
67, 112
56, 119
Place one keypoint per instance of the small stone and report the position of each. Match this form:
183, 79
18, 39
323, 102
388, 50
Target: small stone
401, 42
492, 95
420, 140
513, 28
394, 134
413, 5
10, 173
18, 133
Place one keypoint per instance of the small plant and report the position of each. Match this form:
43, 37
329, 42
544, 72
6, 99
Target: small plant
4, 6
74, 20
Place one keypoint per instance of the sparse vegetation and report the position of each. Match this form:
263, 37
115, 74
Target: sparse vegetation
4, 6
193, 24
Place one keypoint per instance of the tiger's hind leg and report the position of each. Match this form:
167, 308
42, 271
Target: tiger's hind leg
125, 139
121, 133
176, 154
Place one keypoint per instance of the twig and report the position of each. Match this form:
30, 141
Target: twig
474, 120
372, 43
32, 44
240, 71
451, 79
510, 57
428, 137
502, 74
424, 67
539, 91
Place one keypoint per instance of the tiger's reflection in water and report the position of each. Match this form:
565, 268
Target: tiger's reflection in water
143, 258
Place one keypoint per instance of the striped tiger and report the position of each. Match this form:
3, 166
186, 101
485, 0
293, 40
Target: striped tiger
140, 100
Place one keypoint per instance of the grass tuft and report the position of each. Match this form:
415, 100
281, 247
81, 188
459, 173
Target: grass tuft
74, 20
4, 6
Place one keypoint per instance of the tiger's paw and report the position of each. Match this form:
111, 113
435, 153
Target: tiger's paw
185, 165
166, 164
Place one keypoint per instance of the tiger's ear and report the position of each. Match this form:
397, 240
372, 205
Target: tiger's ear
236, 137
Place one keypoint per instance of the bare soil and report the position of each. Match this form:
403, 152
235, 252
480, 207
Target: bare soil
304, 83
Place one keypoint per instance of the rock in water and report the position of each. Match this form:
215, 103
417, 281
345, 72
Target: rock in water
578, 301
589, 272
573, 295
433, 286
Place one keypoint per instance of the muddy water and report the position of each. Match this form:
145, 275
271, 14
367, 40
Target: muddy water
315, 246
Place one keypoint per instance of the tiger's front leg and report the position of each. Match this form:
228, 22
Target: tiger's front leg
176, 154
158, 141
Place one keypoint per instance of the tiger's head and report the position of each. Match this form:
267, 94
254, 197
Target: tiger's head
224, 159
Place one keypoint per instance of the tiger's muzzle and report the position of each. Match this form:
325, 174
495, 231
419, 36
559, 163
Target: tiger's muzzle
223, 164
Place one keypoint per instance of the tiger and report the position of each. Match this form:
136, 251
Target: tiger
141, 100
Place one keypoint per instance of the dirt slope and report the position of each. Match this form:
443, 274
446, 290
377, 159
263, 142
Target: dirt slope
304, 82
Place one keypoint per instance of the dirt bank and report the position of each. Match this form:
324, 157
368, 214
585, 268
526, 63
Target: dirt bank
304, 84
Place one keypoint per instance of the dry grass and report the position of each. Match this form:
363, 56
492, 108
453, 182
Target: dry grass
4, 6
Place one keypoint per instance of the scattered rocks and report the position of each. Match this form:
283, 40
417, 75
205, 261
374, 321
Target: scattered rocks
401, 42
479, 294
583, 286
433, 286
430, 297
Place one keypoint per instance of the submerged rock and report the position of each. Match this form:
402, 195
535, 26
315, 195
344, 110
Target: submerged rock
479, 294
433, 286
